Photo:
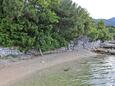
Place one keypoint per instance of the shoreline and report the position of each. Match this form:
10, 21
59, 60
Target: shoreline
17, 70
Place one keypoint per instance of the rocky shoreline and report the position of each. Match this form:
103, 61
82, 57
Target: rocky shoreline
17, 70
12, 55
106, 48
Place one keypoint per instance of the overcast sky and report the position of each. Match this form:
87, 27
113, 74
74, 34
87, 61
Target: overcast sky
98, 8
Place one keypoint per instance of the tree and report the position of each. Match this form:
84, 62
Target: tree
25, 24
74, 21
99, 32
45, 24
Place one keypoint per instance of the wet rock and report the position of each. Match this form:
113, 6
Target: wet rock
67, 69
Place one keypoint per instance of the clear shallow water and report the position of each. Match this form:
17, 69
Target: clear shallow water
90, 71
101, 71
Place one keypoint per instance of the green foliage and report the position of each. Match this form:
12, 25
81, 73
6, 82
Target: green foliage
12, 8
100, 25
99, 33
74, 21
112, 31
93, 34
45, 24
25, 26
104, 34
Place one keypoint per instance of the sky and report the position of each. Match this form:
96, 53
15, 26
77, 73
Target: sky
103, 9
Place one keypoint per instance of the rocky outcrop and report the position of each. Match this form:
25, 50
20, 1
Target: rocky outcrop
80, 43
9, 51
106, 48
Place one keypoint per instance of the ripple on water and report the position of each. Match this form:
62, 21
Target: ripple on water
102, 71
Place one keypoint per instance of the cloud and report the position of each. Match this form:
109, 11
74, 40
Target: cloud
98, 8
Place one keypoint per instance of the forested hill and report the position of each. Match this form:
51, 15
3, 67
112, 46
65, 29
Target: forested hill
108, 22
46, 24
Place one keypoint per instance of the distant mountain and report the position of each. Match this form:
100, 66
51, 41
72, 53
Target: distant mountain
108, 22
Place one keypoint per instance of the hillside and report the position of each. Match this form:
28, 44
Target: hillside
108, 22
